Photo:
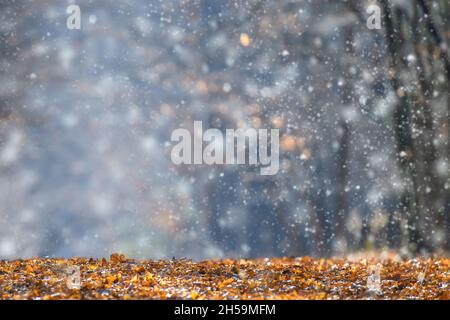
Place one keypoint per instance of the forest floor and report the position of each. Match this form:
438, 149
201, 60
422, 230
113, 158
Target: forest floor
283, 278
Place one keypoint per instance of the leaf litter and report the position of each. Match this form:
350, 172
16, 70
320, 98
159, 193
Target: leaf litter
276, 278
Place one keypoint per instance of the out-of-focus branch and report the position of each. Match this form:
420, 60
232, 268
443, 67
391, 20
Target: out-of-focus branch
436, 36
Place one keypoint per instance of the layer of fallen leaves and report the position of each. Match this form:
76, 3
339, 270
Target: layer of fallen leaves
284, 278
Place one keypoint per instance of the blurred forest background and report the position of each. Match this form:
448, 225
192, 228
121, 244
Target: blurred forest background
86, 117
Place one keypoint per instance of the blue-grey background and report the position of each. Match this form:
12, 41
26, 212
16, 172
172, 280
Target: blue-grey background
86, 117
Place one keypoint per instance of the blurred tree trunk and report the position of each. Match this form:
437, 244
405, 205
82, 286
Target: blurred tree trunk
441, 46
438, 37
342, 205
402, 125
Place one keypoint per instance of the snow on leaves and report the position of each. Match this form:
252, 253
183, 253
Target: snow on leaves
282, 278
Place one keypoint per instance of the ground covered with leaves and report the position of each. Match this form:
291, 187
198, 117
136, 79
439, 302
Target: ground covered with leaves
284, 278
